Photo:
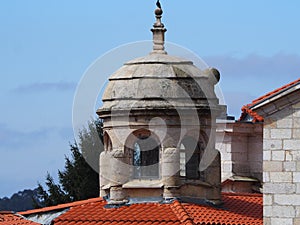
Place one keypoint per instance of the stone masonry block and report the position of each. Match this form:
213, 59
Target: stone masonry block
296, 133
266, 177
298, 211
267, 221
288, 156
297, 113
298, 166
226, 156
267, 133
278, 177
296, 123
298, 188
283, 211
281, 221
296, 221
289, 166
272, 166
272, 144
296, 177
278, 155
287, 199
268, 211
281, 133
268, 200
227, 166
296, 156
279, 188
285, 123
266, 155
291, 144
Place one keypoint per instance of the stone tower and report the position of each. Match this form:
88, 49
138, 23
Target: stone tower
159, 121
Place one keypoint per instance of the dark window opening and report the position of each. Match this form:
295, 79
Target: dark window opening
191, 152
145, 158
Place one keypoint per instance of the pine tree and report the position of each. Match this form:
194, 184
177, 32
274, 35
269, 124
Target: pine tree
78, 180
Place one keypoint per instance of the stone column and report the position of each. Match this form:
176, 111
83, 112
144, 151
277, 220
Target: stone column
170, 171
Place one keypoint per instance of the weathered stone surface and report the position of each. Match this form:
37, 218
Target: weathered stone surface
296, 133
240, 145
266, 176
279, 188
289, 166
281, 221
291, 144
296, 177
286, 211
285, 123
278, 155
282, 158
267, 200
266, 155
281, 133
272, 144
287, 199
272, 166
278, 177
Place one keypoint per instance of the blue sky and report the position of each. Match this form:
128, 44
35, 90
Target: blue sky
46, 46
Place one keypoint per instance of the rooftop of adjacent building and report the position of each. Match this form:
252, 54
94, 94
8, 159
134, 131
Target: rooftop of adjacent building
237, 209
10, 218
247, 110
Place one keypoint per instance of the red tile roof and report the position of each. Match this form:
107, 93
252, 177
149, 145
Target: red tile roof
92, 213
237, 209
257, 118
59, 207
9, 218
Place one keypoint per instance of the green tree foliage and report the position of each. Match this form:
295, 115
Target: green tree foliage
19, 201
79, 180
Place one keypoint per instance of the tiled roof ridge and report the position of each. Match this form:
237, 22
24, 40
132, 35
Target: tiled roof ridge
61, 206
276, 91
11, 218
242, 194
246, 109
255, 116
181, 213
6, 212
115, 220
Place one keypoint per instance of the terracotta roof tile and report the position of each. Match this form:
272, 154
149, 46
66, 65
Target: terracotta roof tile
9, 218
95, 213
61, 206
246, 109
237, 209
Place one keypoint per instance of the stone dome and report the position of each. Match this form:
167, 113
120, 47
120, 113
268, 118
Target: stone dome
159, 81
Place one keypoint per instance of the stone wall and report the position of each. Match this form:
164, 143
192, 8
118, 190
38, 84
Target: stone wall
281, 155
240, 145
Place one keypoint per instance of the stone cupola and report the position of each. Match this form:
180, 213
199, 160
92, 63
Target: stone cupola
159, 121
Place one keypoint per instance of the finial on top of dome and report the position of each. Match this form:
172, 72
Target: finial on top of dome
158, 4
158, 31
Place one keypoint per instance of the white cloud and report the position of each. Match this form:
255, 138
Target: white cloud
247, 78
254, 65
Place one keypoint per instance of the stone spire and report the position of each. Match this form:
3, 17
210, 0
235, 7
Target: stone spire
158, 31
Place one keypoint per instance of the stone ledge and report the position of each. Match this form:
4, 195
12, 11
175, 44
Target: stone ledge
143, 184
